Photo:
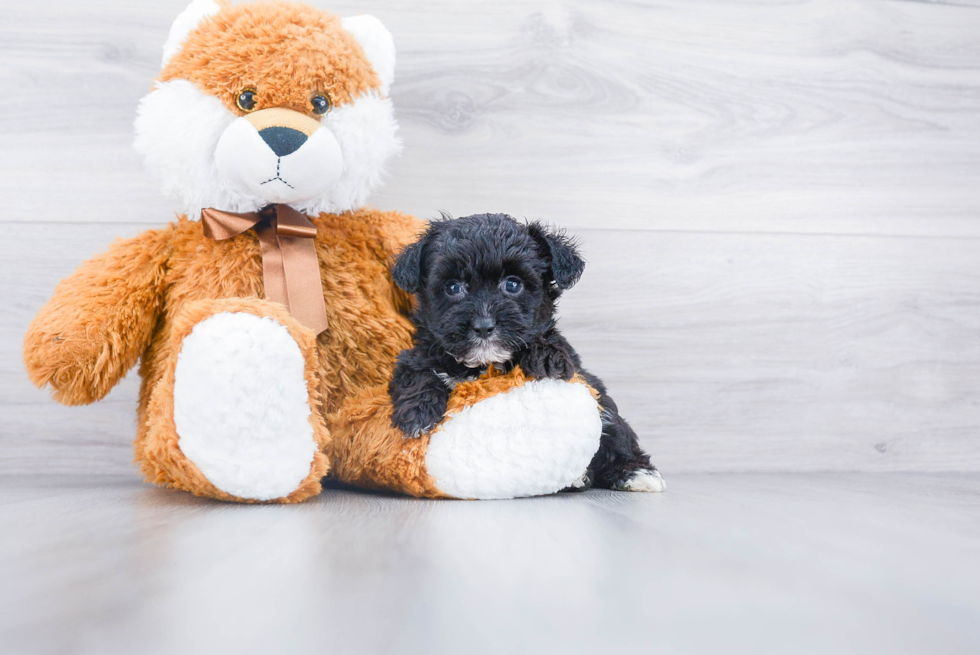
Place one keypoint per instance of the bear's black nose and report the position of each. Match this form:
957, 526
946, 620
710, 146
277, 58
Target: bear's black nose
483, 326
283, 140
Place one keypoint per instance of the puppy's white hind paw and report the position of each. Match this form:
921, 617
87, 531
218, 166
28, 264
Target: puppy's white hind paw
643, 480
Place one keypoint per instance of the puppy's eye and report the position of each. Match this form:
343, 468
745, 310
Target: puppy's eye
455, 288
513, 285
320, 104
246, 99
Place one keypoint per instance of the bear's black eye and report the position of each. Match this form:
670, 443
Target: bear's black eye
455, 289
246, 99
321, 104
513, 285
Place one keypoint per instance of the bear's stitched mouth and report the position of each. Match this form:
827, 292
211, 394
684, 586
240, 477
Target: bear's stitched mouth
273, 179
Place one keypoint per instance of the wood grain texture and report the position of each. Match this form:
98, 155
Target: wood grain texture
725, 351
740, 563
786, 352
850, 116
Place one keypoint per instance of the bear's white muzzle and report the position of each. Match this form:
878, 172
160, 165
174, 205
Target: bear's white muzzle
279, 155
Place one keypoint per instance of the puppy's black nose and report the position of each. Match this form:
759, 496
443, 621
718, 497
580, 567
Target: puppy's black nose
483, 326
283, 140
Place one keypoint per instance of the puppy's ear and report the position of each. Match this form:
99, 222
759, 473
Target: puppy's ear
407, 271
561, 253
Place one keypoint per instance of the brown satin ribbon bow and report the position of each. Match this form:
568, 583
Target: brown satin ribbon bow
290, 266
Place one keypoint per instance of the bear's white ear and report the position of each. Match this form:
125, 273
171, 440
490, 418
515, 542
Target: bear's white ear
378, 45
188, 19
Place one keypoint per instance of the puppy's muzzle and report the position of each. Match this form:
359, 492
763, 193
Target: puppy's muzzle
483, 326
283, 130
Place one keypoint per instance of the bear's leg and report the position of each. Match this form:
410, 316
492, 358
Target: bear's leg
234, 415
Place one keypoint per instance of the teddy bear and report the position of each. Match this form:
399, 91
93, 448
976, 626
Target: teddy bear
264, 319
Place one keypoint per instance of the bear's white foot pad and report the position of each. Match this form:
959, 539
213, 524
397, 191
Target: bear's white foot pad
241, 406
533, 440
643, 480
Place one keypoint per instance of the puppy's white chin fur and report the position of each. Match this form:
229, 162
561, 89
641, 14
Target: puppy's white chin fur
486, 353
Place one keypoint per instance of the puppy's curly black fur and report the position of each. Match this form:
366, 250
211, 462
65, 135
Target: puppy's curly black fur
487, 286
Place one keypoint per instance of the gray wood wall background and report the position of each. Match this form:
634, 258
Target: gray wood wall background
778, 199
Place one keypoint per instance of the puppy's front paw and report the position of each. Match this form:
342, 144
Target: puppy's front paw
547, 361
416, 420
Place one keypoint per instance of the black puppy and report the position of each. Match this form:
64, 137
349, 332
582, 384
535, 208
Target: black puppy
486, 288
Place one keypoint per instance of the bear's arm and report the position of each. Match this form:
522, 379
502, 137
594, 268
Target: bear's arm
100, 319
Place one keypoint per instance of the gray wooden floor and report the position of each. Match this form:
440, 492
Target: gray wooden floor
725, 563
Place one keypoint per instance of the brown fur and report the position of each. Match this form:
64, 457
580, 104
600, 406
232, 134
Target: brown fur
134, 301
287, 52
367, 451
100, 319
